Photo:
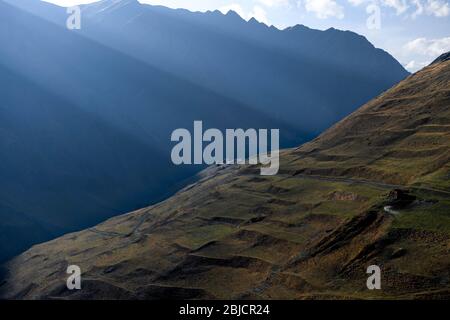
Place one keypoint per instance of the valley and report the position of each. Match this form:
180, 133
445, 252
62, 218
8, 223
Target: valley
309, 232
87, 115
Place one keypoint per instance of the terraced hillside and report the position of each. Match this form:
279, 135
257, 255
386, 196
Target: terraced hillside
374, 189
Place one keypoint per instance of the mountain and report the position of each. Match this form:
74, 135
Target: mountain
372, 190
86, 130
86, 115
307, 78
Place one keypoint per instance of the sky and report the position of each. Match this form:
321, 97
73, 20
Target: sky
415, 32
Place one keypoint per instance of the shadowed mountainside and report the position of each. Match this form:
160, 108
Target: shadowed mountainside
86, 130
373, 189
305, 77
87, 115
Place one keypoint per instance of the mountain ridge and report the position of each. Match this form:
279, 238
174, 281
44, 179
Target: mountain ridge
91, 111
308, 233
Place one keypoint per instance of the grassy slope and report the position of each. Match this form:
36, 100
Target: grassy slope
309, 232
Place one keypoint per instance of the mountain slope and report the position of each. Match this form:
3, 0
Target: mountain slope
372, 190
88, 114
86, 129
298, 75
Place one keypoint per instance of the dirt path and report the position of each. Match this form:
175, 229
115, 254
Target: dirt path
371, 183
377, 184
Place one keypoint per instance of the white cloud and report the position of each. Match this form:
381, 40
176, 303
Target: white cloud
259, 14
400, 6
274, 3
438, 8
419, 9
356, 2
430, 48
411, 65
324, 9
414, 65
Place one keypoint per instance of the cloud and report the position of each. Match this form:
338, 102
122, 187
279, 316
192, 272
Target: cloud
438, 8
419, 52
419, 9
259, 14
414, 65
324, 9
356, 2
275, 3
400, 6
428, 47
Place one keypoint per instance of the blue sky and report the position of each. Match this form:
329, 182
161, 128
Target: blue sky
413, 31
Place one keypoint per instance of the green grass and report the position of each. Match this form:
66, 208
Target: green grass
434, 218
345, 209
195, 237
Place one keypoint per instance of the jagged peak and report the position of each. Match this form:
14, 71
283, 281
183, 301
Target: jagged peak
253, 20
232, 13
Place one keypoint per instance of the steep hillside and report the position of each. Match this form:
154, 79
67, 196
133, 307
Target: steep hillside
85, 130
400, 137
373, 189
86, 115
